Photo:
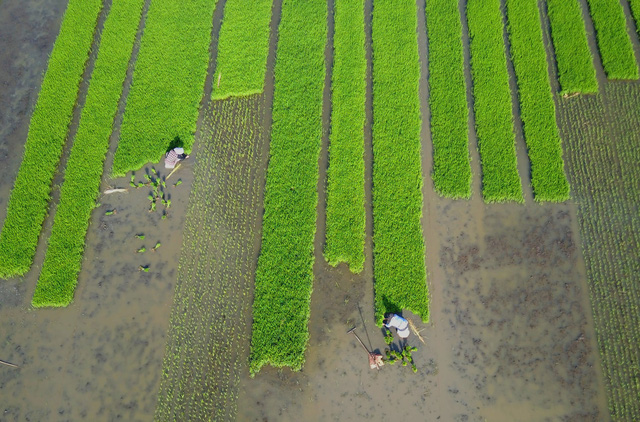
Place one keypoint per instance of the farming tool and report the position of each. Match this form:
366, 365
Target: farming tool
4, 362
375, 359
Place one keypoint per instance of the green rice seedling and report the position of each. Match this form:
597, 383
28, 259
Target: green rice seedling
242, 49
537, 107
144, 268
492, 103
47, 133
614, 43
171, 68
399, 267
576, 72
448, 100
110, 212
284, 274
80, 189
140, 236
158, 244
345, 230
142, 250
178, 183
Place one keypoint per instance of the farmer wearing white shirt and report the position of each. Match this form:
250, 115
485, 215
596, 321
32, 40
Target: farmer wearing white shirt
400, 324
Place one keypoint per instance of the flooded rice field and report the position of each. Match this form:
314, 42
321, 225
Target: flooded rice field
511, 335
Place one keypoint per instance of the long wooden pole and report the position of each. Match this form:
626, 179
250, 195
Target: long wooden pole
8, 364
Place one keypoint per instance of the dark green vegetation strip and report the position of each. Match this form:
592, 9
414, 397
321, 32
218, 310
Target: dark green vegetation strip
345, 184
171, 68
399, 267
284, 276
576, 72
84, 169
492, 103
448, 100
613, 40
635, 11
208, 338
243, 48
603, 160
47, 133
537, 108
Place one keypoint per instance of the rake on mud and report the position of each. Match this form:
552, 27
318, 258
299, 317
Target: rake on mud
375, 359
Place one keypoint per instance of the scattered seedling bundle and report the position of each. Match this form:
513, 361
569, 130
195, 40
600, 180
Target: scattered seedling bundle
345, 230
47, 133
170, 71
399, 267
448, 101
80, 189
492, 103
537, 108
242, 50
576, 72
284, 275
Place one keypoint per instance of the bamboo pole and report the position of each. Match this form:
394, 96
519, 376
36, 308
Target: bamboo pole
8, 364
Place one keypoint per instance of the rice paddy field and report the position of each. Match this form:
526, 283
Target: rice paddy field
473, 165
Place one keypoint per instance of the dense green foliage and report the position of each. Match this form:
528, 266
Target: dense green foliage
537, 108
614, 44
399, 267
576, 72
242, 49
492, 103
448, 100
170, 71
635, 11
79, 191
47, 133
345, 176
284, 275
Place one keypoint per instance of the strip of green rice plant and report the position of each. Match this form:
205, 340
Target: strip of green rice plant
448, 100
79, 191
492, 103
634, 5
47, 133
537, 108
284, 275
168, 81
242, 49
345, 176
614, 43
399, 267
576, 72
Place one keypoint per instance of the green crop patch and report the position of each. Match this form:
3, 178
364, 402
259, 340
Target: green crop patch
448, 100
47, 133
492, 103
345, 176
399, 267
576, 72
635, 11
168, 81
80, 189
242, 49
537, 108
614, 44
284, 275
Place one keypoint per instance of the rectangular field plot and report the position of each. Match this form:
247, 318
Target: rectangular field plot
284, 275
47, 134
399, 267
345, 177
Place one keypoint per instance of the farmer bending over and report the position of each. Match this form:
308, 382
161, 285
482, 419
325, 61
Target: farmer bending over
400, 324
173, 157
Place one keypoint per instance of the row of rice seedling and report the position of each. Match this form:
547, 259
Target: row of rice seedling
448, 101
84, 169
47, 134
603, 148
399, 252
168, 81
613, 40
492, 103
207, 342
345, 230
537, 108
576, 72
284, 275
242, 49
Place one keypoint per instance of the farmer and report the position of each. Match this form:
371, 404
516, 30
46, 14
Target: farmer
173, 157
400, 324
